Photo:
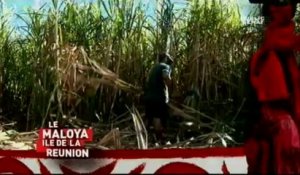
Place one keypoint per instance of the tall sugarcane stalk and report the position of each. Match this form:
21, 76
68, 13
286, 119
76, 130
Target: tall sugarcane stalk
206, 38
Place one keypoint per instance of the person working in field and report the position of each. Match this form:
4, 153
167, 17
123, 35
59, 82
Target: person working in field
157, 95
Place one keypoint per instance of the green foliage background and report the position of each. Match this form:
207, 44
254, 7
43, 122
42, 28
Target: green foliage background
210, 44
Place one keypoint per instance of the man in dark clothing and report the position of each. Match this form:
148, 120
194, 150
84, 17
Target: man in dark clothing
157, 94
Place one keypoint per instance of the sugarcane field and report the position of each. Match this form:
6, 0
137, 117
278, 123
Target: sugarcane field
90, 64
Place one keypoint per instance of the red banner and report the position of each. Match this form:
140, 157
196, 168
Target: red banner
207, 161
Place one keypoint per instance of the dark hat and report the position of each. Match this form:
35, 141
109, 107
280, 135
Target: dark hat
278, 2
164, 55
